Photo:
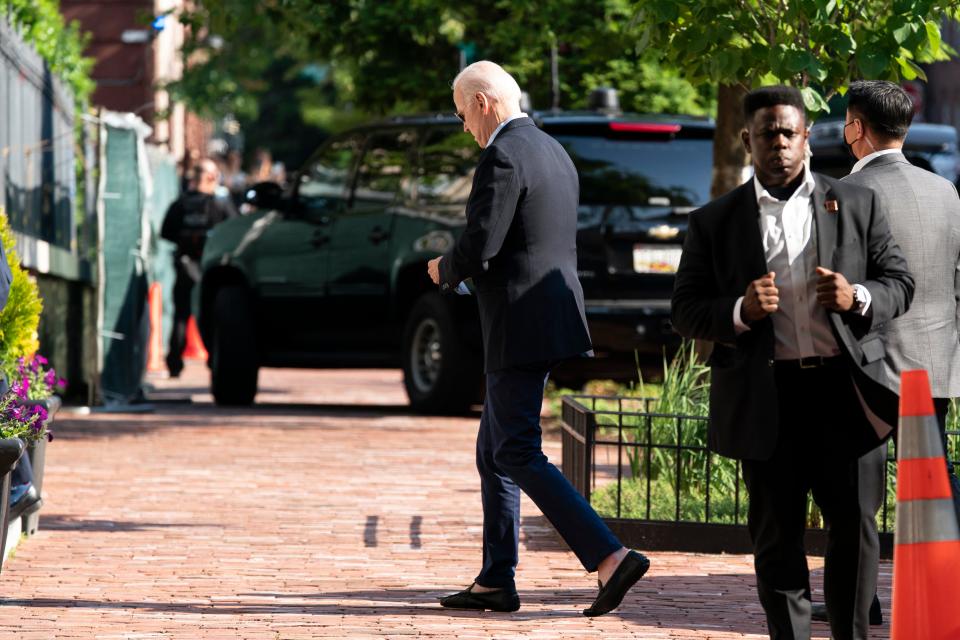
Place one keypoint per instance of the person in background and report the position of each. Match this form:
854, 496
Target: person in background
924, 214
189, 170
186, 224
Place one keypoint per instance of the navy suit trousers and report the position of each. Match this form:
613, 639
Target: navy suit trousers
510, 458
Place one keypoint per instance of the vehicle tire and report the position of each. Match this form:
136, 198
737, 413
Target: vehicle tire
233, 357
440, 372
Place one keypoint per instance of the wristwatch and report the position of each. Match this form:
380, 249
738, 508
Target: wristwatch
858, 300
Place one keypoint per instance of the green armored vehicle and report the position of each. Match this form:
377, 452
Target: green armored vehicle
332, 271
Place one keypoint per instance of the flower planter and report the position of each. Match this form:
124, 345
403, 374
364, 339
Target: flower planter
37, 452
10, 451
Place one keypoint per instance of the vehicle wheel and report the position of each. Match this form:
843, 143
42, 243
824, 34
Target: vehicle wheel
233, 358
441, 374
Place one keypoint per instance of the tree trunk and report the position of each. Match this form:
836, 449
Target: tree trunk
729, 156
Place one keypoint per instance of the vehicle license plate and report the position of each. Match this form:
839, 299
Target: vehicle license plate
653, 258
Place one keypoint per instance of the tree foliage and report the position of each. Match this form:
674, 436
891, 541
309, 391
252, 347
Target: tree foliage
817, 45
59, 43
384, 57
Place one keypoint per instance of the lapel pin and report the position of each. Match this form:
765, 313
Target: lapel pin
832, 206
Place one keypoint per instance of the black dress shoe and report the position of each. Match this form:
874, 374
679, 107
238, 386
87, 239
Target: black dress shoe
819, 612
631, 569
27, 504
500, 600
876, 613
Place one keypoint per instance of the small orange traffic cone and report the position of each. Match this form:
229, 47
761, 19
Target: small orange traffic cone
194, 349
155, 343
926, 558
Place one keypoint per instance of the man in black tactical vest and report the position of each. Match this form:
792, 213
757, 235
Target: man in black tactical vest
186, 224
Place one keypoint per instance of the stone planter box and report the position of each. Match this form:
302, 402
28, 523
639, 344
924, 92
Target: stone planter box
10, 451
37, 452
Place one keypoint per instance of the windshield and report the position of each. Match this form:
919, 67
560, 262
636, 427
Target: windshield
641, 173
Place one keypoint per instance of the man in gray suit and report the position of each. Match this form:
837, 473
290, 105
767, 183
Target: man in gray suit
924, 214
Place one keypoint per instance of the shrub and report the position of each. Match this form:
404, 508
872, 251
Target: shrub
20, 317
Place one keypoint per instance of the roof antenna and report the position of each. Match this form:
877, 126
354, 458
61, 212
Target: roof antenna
604, 100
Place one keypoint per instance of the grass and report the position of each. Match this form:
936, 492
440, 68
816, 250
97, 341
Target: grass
663, 498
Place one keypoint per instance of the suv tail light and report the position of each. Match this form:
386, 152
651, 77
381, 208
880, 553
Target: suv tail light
644, 127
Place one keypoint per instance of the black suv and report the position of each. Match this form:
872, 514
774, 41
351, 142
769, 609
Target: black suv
332, 272
929, 146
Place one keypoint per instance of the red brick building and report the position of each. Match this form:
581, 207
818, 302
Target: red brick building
133, 60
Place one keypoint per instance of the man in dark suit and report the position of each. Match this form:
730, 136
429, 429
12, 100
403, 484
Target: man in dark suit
791, 275
519, 246
924, 214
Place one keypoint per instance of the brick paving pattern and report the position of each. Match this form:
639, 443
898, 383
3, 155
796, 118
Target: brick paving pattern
327, 511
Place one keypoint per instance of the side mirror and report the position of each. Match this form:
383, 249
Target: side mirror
264, 195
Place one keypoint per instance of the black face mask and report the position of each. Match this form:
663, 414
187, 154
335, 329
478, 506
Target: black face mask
849, 147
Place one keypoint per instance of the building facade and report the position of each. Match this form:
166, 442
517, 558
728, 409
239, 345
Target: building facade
137, 48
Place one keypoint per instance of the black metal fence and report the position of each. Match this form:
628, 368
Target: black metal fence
37, 172
655, 482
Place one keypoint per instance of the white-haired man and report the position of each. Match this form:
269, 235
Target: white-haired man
519, 247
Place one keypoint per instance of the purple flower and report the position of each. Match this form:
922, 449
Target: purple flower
40, 412
61, 383
39, 359
50, 378
15, 412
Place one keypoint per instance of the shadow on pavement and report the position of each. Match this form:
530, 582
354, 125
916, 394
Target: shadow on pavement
402, 606
168, 415
66, 523
698, 603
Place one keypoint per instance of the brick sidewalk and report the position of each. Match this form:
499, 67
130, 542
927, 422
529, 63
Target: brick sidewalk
328, 511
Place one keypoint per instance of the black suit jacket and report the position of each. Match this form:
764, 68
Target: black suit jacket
722, 254
520, 248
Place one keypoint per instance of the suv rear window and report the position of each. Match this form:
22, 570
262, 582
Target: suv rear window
656, 172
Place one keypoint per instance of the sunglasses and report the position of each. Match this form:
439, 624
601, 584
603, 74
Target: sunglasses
460, 116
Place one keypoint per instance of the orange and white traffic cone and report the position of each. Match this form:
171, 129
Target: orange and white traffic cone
926, 556
155, 343
194, 349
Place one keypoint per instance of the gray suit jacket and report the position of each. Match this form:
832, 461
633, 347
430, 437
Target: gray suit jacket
924, 214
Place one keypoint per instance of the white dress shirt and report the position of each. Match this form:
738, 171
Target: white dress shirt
865, 160
788, 235
502, 125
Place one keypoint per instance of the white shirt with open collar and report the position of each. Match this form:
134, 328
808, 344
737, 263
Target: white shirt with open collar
787, 231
